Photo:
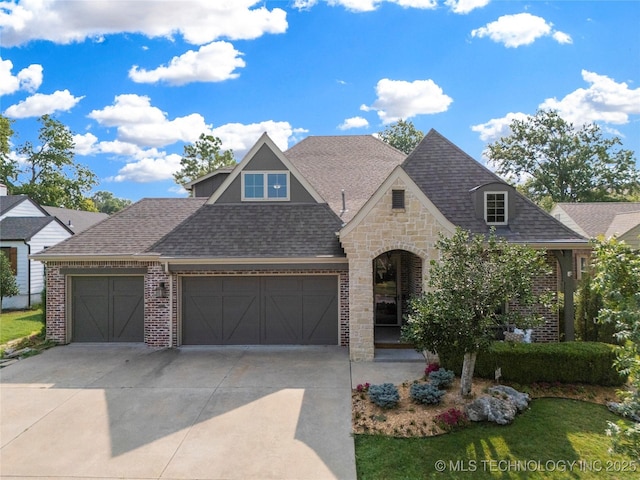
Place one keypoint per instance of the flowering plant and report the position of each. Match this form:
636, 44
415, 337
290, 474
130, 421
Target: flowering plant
361, 388
451, 419
432, 367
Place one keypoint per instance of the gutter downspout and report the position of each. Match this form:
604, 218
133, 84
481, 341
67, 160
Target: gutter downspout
28, 275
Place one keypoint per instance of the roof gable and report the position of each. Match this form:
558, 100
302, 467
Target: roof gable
263, 156
25, 228
449, 177
594, 218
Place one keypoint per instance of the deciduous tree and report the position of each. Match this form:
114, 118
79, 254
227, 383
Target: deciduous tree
51, 176
402, 135
107, 202
469, 287
8, 166
8, 283
203, 157
617, 278
556, 161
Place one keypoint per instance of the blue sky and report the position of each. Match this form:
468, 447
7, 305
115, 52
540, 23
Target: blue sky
136, 80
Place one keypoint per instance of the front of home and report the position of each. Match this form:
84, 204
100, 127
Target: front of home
320, 245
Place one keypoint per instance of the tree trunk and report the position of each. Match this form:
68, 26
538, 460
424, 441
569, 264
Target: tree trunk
468, 366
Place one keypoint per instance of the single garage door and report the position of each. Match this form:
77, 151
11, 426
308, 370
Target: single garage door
300, 310
108, 309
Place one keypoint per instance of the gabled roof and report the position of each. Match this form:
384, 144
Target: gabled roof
357, 164
76, 220
217, 171
447, 176
7, 202
130, 231
262, 141
24, 228
595, 218
622, 223
255, 230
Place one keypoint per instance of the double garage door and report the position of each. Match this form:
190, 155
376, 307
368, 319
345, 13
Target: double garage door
107, 309
254, 310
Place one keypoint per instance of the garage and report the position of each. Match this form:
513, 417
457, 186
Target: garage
260, 310
107, 309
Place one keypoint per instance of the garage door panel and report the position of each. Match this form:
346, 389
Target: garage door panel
205, 320
283, 322
107, 309
262, 310
241, 319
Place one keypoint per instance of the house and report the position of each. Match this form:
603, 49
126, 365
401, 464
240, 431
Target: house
321, 244
27, 228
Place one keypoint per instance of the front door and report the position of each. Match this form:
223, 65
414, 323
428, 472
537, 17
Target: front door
386, 289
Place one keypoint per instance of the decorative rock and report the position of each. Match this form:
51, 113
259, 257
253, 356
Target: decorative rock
491, 409
520, 400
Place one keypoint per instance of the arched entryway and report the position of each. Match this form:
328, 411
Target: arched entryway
397, 276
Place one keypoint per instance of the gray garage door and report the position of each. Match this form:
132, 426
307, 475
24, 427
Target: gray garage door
283, 310
108, 309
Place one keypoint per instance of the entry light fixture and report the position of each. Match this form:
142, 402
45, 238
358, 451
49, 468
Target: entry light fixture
161, 290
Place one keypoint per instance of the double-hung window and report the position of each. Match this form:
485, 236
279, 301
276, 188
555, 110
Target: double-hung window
261, 186
495, 208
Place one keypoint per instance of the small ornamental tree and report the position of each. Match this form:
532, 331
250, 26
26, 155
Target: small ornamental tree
468, 288
617, 278
8, 284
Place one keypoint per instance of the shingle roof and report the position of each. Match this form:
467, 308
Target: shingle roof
446, 175
132, 230
76, 220
22, 228
7, 202
595, 218
357, 164
622, 223
256, 230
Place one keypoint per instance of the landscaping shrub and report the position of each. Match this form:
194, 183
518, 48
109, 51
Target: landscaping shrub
385, 395
441, 378
426, 393
432, 367
566, 362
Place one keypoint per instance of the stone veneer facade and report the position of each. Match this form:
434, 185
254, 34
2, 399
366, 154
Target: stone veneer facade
413, 229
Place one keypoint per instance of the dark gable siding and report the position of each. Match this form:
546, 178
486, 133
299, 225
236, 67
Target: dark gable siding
265, 160
207, 187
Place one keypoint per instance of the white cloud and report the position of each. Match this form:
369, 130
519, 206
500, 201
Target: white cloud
240, 137
214, 62
367, 5
149, 169
353, 122
465, 6
140, 123
41, 104
497, 127
401, 99
201, 22
519, 29
85, 143
28, 79
605, 100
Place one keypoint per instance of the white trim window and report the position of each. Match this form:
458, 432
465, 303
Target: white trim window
265, 186
496, 208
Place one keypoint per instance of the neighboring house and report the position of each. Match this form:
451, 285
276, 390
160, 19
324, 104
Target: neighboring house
321, 244
595, 219
76, 220
25, 229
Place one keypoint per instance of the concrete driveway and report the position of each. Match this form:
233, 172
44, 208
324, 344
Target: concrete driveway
109, 411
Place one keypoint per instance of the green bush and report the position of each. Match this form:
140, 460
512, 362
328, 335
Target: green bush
441, 378
588, 306
566, 362
426, 393
385, 395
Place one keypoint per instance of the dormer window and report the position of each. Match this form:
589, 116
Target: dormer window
495, 208
265, 186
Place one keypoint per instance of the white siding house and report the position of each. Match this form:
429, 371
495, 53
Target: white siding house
25, 229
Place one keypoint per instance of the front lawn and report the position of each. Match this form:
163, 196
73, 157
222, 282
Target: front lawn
542, 442
19, 323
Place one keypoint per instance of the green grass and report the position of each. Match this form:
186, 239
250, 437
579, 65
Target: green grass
550, 432
19, 323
